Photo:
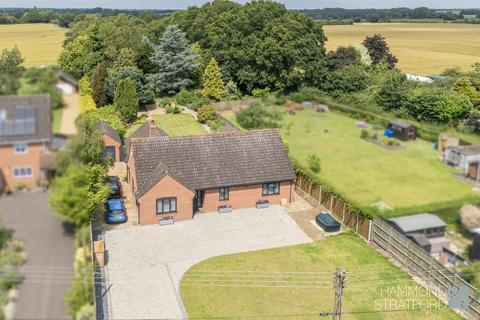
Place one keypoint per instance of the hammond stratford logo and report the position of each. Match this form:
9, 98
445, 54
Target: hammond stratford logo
395, 298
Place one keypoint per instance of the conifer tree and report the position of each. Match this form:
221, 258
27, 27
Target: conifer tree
175, 60
99, 77
126, 99
213, 86
126, 58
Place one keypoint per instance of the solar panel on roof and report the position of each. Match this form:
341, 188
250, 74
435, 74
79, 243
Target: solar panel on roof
24, 123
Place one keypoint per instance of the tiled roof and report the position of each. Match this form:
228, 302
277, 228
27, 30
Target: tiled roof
105, 128
25, 119
212, 161
143, 132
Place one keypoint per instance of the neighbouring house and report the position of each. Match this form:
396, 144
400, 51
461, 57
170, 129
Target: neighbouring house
402, 130
25, 138
465, 157
66, 82
425, 229
147, 130
175, 177
413, 77
111, 140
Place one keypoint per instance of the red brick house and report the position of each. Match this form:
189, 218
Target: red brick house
112, 141
25, 138
176, 177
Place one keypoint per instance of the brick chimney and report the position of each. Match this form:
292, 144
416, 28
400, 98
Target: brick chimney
153, 128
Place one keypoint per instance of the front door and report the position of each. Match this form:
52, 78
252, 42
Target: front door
200, 195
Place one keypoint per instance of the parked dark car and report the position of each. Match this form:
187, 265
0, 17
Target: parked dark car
115, 211
327, 222
115, 187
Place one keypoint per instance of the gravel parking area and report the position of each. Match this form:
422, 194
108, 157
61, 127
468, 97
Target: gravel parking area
146, 263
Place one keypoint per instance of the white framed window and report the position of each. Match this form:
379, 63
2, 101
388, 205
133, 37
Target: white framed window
20, 148
22, 172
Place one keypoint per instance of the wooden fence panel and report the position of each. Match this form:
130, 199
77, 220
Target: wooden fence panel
363, 227
394, 244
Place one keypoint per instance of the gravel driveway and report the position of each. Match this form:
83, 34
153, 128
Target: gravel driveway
146, 263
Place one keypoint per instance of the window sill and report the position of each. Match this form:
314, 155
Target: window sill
164, 213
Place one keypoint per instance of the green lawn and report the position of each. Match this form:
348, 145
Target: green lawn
259, 284
179, 124
56, 120
409, 179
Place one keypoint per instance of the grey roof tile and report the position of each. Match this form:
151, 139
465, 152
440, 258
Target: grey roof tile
212, 161
105, 128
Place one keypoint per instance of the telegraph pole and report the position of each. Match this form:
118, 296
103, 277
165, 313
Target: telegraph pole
339, 284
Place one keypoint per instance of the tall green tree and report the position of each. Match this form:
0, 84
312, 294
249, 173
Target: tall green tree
126, 58
437, 105
259, 45
126, 99
465, 86
10, 70
69, 193
79, 193
80, 55
393, 91
342, 57
143, 86
213, 86
379, 51
98, 79
87, 145
175, 60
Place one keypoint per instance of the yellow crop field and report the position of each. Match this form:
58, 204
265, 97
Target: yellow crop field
422, 48
38, 43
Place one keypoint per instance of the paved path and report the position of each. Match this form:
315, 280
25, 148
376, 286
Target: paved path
49, 247
70, 113
146, 263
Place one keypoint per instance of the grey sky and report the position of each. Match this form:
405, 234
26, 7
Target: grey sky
294, 4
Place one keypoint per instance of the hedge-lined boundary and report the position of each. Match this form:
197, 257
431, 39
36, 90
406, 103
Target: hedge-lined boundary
429, 134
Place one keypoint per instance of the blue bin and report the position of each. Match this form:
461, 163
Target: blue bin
388, 133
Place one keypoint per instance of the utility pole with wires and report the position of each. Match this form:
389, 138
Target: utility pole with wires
338, 285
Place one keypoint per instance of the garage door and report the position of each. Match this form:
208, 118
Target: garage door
109, 152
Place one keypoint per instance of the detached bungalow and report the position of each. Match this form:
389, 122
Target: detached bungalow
176, 177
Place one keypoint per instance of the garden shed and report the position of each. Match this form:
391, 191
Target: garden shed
465, 157
402, 130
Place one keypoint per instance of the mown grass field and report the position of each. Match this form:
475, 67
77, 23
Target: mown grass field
422, 48
38, 43
366, 173
259, 284
179, 124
